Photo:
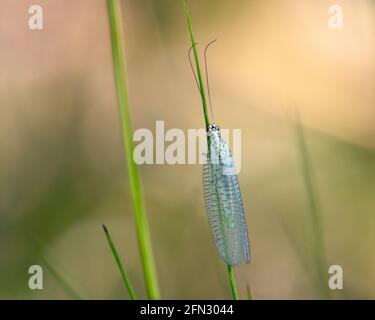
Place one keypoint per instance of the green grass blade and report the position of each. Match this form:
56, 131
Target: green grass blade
61, 280
196, 58
232, 282
249, 293
143, 233
120, 265
317, 236
294, 240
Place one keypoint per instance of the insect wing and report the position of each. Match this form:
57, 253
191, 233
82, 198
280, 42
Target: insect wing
224, 205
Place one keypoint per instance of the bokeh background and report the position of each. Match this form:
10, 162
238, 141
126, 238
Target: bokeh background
62, 171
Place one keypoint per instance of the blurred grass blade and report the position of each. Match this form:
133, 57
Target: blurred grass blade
317, 236
197, 64
143, 233
294, 240
61, 280
232, 282
249, 293
126, 280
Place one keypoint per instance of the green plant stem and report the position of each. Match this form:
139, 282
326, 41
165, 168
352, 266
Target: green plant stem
120, 265
143, 233
61, 280
232, 282
249, 293
199, 73
317, 241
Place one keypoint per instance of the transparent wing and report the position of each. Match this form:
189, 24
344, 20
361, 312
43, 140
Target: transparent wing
225, 213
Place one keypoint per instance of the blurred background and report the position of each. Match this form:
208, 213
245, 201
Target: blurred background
62, 171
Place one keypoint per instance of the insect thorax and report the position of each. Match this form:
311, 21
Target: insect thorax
219, 152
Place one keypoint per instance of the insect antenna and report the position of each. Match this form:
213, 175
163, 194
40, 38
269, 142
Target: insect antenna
207, 80
192, 67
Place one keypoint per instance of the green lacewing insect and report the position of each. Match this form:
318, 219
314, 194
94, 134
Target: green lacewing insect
222, 194
223, 201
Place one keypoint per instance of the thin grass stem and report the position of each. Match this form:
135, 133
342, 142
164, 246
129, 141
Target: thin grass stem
143, 233
250, 295
61, 280
206, 119
196, 58
317, 236
120, 265
232, 282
